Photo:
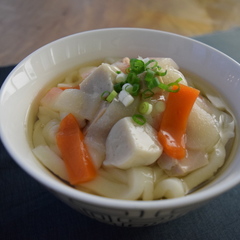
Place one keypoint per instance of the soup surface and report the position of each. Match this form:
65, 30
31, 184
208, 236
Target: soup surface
135, 129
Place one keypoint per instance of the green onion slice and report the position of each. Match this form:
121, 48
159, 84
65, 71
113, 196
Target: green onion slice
161, 73
152, 61
154, 83
132, 78
137, 66
170, 87
111, 96
127, 87
104, 95
135, 89
149, 75
139, 119
147, 93
118, 87
145, 108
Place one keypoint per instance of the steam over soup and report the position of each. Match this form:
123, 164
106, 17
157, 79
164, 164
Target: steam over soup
131, 129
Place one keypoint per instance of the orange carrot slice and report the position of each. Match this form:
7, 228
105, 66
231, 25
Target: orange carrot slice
174, 121
74, 152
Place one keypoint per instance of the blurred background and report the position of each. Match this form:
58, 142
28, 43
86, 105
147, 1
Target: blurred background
26, 25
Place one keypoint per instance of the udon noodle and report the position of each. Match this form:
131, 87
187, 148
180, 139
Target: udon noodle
121, 126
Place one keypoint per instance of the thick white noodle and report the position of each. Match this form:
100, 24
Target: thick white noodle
38, 138
170, 188
45, 114
51, 161
139, 185
148, 184
216, 160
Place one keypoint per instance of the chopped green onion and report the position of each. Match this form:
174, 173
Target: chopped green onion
145, 108
127, 87
132, 78
111, 96
118, 72
135, 89
118, 87
149, 75
104, 95
137, 66
154, 83
128, 100
147, 93
152, 61
121, 77
163, 86
171, 86
161, 73
125, 98
139, 119
160, 106
176, 82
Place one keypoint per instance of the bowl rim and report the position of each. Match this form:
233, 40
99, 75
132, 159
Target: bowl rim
87, 198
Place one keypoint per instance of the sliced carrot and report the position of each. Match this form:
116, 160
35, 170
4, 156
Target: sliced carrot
174, 121
74, 87
77, 160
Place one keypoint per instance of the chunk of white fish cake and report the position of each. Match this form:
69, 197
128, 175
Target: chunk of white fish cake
131, 145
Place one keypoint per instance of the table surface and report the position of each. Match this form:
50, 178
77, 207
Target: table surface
27, 25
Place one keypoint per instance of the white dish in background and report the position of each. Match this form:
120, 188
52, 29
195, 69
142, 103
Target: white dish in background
30, 76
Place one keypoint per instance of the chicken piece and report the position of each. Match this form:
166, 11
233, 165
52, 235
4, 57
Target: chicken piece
177, 168
123, 64
131, 145
97, 132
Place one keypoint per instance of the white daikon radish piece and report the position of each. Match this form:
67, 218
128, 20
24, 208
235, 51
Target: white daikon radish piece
78, 103
202, 132
173, 75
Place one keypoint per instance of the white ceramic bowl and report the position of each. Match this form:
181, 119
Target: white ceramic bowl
42, 66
